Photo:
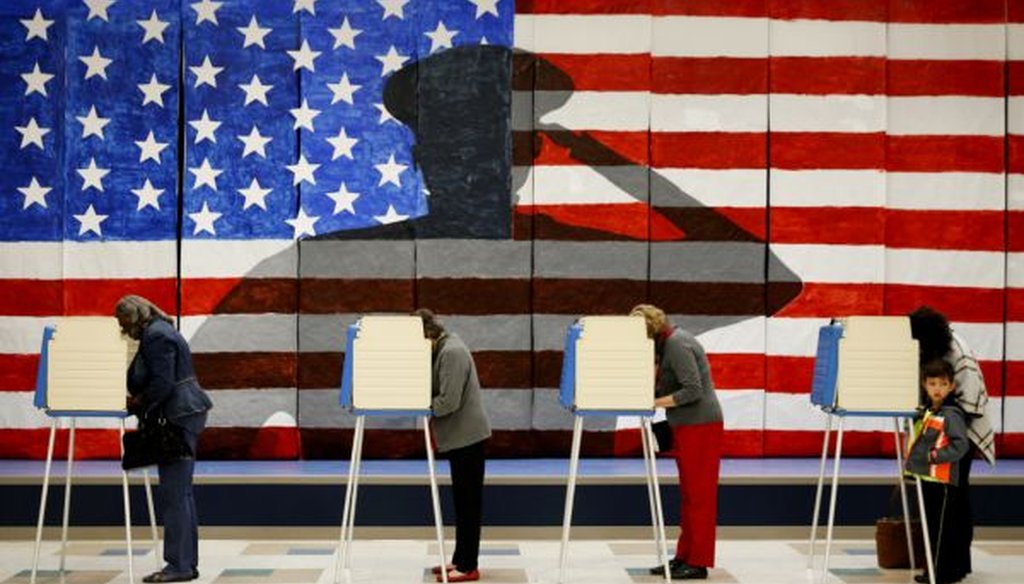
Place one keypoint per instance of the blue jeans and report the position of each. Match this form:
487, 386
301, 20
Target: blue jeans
178, 506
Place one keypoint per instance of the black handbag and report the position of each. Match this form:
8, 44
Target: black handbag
156, 441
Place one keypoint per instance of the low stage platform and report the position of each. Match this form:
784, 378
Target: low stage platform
518, 493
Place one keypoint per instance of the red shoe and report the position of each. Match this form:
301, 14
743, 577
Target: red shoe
437, 569
457, 576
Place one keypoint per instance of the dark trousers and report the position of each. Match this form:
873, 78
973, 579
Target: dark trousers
467, 465
950, 525
178, 506
698, 453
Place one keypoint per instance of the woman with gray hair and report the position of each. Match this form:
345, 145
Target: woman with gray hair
162, 385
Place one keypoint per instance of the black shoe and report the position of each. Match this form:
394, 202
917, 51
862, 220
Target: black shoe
169, 577
922, 579
659, 570
685, 572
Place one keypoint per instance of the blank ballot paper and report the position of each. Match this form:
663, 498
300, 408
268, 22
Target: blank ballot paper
878, 365
86, 363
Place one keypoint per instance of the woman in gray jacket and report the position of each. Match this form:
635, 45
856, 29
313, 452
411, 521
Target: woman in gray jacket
162, 384
460, 431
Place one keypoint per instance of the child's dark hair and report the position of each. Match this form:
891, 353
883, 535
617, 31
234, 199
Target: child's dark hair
937, 368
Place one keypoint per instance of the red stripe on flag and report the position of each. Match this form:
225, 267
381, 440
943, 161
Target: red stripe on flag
18, 372
945, 154
98, 297
1014, 372
32, 297
953, 230
708, 75
90, 443
591, 148
604, 72
845, 225
1015, 304
981, 305
790, 443
238, 295
1015, 76
1014, 230
737, 370
824, 150
710, 150
657, 7
934, 77
947, 11
1015, 151
828, 75
794, 375
828, 300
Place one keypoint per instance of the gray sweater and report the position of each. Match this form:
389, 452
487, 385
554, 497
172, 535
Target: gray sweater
459, 418
684, 373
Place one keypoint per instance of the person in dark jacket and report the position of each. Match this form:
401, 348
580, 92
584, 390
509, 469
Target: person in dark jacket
162, 385
683, 386
937, 454
461, 430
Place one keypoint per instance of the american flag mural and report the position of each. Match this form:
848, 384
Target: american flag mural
269, 171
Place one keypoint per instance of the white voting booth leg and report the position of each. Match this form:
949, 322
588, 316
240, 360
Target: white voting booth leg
65, 517
832, 500
42, 499
924, 530
574, 462
348, 513
903, 492
435, 497
818, 491
653, 493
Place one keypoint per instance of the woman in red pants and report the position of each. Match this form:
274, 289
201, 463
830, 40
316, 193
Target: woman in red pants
684, 388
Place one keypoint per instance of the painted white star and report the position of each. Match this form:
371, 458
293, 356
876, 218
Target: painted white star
307, 5
35, 194
154, 28
393, 8
391, 61
32, 133
390, 172
90, 221
148, 196
153, 92
93, 124
36, 80
206, 73
304, 57
391, 216
441, 37
204, 220
98, 9
254, 35
96, 64
205, 128
385, 115
205, 175
150, 149
206, 10
343, 90
255, 91
36, 26
255, 143
303, 224
343, 200
342, 145
485, 7
254, 195
303, 171
344, 35
304, 116
92, 176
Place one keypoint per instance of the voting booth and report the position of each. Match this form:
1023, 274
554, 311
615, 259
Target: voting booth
387, 372
82, 374
864, 366
608, 370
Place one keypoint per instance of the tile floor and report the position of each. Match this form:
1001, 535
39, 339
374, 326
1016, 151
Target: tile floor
506, 562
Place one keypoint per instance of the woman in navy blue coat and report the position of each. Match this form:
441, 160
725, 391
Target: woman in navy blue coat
162, 384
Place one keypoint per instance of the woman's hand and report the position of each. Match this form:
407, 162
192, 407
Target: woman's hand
665, 402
